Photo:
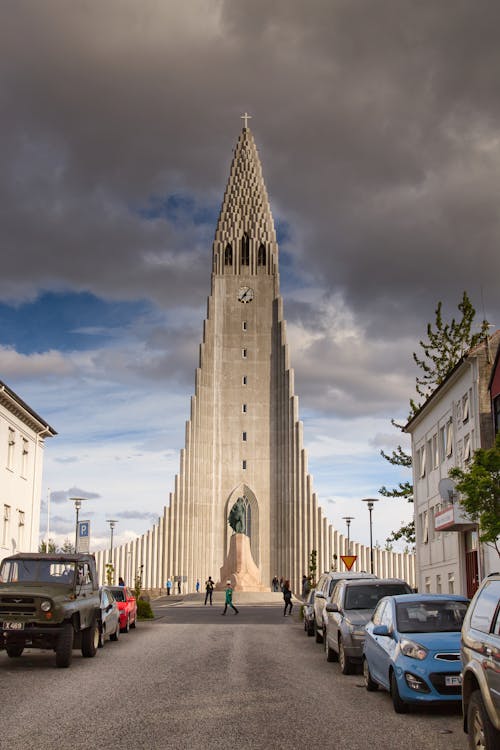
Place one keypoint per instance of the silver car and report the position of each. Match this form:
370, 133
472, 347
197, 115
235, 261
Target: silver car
109, 620
324, 591
480, 652
349, 611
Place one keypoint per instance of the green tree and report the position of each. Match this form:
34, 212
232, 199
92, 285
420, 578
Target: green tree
447, 343
313, 558
50, 548
110, 573
479, 488
67, 547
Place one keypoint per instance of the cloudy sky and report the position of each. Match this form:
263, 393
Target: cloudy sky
377, 127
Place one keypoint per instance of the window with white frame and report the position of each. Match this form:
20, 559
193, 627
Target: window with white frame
435, 452
442, 443
421, 453
465, 408
244, 464
244, 437
20, 533
244, 326
11, 446
427, 585
449, 438
438, 584
243, 353
244, 380
24, 461
5, 528
451, 583
244, 408
424, 527
467, 449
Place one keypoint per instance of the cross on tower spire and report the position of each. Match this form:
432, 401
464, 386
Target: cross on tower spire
246, 117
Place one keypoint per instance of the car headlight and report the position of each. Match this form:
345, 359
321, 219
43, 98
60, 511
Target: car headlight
413, 650
46, 606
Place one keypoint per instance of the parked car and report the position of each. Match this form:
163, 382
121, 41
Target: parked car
480, 651
127, 606
324, 591
109, 620
352, 604
308, 612
412, 648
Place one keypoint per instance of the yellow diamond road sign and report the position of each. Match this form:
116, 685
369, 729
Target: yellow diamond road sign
348, 560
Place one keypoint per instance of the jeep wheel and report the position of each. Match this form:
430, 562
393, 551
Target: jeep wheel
90, 640
482, 733
14, 650
64, 648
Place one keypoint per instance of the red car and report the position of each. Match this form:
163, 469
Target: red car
127, 606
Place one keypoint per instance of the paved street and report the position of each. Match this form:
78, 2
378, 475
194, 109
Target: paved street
194, 679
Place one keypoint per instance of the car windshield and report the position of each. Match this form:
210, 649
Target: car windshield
367, 597
37, 571
430, 617
119, 595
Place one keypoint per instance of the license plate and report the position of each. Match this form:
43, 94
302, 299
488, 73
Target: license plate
13, 625
453, 680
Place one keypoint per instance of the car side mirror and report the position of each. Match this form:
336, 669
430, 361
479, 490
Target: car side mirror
332, 607
382, 630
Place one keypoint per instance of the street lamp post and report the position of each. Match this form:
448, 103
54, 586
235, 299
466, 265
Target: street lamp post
348, 520
370, 501
78, 504
112, 524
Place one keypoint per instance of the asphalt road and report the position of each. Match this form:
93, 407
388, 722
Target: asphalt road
194, 679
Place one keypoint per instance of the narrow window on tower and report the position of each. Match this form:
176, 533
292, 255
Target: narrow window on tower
243, 353
244, 437
228, 255
244, 325
244, 408
261, 256
245, 250
244, 465
244, 380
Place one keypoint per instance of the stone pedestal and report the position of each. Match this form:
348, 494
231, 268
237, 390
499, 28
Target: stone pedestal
240, 568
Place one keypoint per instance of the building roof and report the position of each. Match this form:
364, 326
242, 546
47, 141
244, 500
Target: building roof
25, 413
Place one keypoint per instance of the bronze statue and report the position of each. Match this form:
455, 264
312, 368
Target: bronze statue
236, 518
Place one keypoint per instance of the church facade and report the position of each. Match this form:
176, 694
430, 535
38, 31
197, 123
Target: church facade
244, 438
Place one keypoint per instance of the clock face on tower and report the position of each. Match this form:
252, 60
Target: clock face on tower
245, 294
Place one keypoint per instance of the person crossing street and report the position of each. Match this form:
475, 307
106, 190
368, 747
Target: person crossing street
229, 599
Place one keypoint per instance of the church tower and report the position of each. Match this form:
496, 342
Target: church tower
243, 437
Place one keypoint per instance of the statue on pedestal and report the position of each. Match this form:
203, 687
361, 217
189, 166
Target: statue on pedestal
236, 518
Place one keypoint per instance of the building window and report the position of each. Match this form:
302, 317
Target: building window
245, 250
244, 437
449, 439
244, 408
451, 583
6, 519
261, 256
496, 411
228, 256
20, 535
465, 408
421, 461
424, 527
11, 448
438, 584
244, 380
24, 464
243, 353
435, 452
244, 465
427, 585
467, 449
244, 326
442, 443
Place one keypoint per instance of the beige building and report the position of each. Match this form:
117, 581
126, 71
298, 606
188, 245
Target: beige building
244, 437
22, 435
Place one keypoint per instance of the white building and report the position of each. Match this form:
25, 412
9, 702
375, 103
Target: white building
22, 435
455, 421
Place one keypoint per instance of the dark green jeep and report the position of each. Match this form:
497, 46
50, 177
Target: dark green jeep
49, 601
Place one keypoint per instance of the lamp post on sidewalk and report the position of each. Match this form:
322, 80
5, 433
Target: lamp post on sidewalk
348, 520
112, 524
78, 504
370, 501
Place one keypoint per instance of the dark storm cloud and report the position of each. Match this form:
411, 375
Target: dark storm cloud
376, 124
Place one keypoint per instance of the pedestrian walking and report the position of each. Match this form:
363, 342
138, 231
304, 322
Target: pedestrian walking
229, 599
169, 586
287, 596
179, 585
276, 583
209, 589
306, 586
197, 586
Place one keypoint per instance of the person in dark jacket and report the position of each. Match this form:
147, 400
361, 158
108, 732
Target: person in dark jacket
287, 596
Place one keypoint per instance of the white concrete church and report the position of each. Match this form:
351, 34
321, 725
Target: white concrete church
244, 438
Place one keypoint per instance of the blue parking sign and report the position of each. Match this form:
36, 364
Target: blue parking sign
83, 536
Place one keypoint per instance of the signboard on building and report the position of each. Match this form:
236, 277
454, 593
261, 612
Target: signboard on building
453, 518
83, 537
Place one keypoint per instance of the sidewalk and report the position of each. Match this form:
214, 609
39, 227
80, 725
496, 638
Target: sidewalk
258, 598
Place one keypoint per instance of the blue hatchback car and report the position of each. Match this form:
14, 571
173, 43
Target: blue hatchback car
412, 648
